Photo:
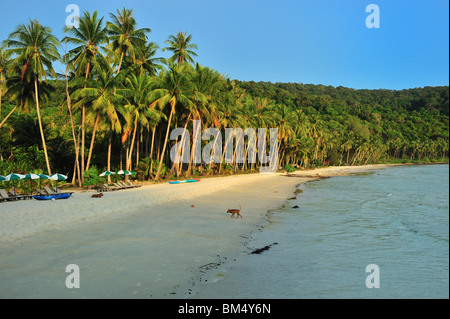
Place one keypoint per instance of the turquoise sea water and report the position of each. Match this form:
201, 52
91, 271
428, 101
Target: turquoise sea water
396, 218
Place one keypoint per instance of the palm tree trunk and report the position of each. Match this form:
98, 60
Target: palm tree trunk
138, 146
128, 165
83, 116
158, 172
1, 80
223, 153
179, 150
194, 138
4, 120
108, 164
92, 140
40, 125
83, 128
151, 151
120, 63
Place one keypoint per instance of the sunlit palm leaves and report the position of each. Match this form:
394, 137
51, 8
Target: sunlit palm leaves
181, 47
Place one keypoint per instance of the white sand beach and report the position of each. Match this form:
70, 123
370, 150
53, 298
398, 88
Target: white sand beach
137, 243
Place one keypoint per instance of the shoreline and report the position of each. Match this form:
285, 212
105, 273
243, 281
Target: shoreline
152, 230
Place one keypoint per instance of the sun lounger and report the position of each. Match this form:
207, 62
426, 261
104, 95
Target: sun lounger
133, 184
119, 186
49, 191
18, 196
124, 185
5, 195
110, 188
40, 192
58, 191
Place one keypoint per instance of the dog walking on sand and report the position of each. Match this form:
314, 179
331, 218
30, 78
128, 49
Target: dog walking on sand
235, 212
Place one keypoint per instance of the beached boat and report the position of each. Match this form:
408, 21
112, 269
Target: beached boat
185, 181
51, 197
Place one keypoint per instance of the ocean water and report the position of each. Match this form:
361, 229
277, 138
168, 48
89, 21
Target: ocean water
395, 218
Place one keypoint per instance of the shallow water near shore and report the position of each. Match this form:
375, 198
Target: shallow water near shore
396, 218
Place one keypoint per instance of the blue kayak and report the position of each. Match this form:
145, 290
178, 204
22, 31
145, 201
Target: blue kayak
50, 197
185, 181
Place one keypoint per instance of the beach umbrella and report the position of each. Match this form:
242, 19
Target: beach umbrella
31, 176
58, 177
2, 178
107, 173
43, 176
122, 172
12, 178
131, 173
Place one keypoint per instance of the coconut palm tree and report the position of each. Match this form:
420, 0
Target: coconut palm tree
89, 39
145, 61
124, 36
181, 47
35, 48
138, 90
173, 88
102, 96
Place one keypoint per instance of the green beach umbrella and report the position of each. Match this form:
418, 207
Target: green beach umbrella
31, 176
58, 177
107, 173
2, 178
122, 172
13, 177
43, 176
131, 173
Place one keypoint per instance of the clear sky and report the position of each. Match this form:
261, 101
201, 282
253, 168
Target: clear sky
315, 41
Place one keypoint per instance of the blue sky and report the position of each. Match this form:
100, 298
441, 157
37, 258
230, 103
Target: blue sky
315, 41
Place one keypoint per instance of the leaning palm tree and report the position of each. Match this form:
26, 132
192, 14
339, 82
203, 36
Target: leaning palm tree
89, 39
181, 47
124, 36
35, 49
